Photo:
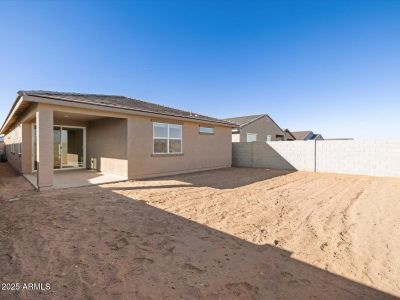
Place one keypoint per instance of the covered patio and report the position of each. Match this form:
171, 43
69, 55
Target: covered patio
68, 147
76, 178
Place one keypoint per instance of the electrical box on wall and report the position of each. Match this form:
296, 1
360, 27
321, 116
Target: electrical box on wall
93, 164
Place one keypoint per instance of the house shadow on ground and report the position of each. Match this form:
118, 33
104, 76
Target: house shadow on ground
225, 178
260, 155
93, 243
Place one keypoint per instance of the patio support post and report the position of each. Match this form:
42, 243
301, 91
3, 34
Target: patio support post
130, 147
44, 147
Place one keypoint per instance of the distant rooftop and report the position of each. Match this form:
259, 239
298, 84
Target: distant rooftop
241, 121
301, 135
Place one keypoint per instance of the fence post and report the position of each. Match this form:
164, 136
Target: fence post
252, 154
315, 156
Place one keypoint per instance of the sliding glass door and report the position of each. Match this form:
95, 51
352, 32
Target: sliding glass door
72, 147
68, 147
57, 147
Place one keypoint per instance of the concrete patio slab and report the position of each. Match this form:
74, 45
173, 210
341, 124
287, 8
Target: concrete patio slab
77, 178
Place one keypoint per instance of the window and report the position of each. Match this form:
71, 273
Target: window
167, 138
251, 137
269, 138
235, 137
206, 130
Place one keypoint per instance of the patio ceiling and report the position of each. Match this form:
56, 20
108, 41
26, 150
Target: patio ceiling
59, 115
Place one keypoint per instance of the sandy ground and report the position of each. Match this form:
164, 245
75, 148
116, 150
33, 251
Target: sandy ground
226, 234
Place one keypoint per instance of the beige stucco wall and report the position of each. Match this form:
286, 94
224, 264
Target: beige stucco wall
21, 137
125, 147
106, 143
21, 134
44, 146
14, 137
200, 151
26, 152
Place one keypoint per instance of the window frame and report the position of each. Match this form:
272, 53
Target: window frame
206, 133
168, 138
249, 133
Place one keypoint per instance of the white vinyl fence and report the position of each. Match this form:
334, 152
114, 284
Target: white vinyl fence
362, 157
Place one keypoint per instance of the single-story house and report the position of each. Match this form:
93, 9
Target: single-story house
50, 131
306, 135
256, 128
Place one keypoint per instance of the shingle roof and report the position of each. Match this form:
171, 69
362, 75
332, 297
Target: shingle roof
242, 121
287, 131
316, 136
301, 135
121, 102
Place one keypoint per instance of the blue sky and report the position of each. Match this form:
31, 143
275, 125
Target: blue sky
328, 66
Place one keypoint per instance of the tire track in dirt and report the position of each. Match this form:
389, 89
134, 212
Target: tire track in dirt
128, 244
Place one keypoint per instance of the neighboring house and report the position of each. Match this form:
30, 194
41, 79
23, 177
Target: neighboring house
256, 128
306, 135
289, 135
48, 131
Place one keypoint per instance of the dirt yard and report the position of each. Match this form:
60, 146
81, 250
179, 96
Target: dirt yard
226, 234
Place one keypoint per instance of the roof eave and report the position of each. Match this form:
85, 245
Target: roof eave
255, 119
16, 104
35, 97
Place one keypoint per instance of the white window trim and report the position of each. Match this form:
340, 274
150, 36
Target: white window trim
168, 139
247, 134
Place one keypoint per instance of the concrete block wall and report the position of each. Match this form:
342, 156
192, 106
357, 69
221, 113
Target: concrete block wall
299, 154
242, 154
274, 155
265, 156
364, 157
361, 157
